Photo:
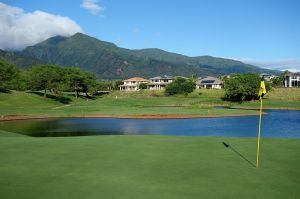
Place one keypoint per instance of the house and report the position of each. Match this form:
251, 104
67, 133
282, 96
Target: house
160, 82
267, 77
209, 82
292, 80
133, 84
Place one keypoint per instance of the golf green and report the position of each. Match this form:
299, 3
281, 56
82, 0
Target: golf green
147, 167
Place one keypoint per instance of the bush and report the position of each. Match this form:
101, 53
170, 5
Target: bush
242, 87
278, 81
116, 84
142, 86
180, 86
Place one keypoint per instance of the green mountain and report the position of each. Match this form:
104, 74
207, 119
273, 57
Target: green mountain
18, 59
109, 61
212, 65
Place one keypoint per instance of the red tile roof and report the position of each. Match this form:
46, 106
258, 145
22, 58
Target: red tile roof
137, 79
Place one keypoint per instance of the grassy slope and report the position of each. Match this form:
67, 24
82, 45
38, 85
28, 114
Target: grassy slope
141, 103
117, 103
147, 167
280, 98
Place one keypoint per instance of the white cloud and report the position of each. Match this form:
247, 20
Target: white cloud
19, 29
292, 65
136, 30
92, 6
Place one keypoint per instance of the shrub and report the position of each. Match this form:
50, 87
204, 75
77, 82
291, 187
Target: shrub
143, 86
180, 86
242, 87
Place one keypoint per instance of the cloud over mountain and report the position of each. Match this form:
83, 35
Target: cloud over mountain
292, 65
19, 29
92, 6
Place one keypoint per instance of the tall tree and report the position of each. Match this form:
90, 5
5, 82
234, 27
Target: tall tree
80, 81
20, 81
46, 77
7, 73
89, 83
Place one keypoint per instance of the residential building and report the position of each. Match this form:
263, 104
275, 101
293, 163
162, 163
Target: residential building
209, 82
133, 84
160, 82
292, 80
267, 77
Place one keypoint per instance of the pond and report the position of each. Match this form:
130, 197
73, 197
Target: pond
277, 123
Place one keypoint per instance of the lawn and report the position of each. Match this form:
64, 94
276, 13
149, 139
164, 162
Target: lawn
147, 167
117, 103
145, 102
144, 166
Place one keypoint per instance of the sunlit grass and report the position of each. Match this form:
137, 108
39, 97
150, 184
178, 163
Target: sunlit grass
200, 102
284, 94
147, 167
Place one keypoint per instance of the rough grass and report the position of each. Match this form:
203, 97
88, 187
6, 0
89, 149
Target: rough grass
284, 94
147, 167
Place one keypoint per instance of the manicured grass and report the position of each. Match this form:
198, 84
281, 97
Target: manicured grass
200, 102
117, 103
147, 167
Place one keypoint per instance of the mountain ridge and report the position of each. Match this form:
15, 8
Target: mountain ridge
109, 61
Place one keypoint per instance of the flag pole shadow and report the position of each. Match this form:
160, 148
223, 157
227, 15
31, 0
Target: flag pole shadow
238, 153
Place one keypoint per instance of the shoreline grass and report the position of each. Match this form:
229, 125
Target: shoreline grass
201, 102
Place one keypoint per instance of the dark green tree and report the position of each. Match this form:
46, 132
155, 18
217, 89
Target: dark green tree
79, 81
89, 82
180, 86
20, 82
143, 86
242, 87
116, 84
7, 73
278, 81
75, 80
46, 77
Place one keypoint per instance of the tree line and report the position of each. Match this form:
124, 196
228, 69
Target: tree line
56, 79
52, 78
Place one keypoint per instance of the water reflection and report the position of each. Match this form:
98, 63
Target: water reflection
277, 123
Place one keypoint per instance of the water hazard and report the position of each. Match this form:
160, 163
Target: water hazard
278, 124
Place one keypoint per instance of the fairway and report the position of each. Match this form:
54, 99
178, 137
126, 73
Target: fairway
118, 104
147, 167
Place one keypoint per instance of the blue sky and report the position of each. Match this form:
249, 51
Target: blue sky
261, 32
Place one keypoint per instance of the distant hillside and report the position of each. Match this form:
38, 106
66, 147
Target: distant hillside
19, 60
213, 65
111, 62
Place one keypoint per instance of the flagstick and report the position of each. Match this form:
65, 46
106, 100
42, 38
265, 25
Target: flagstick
259, 126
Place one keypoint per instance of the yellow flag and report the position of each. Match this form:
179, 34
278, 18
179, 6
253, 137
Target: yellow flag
261, 93
262, 89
